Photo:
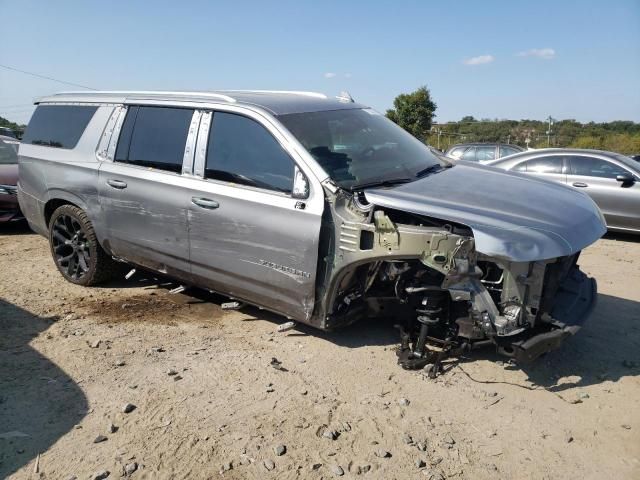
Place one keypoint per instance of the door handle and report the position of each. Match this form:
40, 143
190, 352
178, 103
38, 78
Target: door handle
580, 184
119, 184
205, 202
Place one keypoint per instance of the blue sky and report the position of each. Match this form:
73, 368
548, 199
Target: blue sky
489, 59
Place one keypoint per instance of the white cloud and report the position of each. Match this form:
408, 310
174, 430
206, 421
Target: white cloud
479, 60
544, 53
329, 75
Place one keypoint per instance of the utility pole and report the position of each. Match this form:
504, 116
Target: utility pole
549, 132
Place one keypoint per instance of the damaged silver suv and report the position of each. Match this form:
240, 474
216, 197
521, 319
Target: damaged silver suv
318, 209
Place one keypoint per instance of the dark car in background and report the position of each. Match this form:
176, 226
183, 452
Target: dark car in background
7, 132
482, 152
635, 157
9, 208
610, 179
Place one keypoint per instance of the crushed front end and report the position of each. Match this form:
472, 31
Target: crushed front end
446, 296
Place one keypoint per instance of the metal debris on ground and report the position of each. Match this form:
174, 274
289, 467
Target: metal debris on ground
286, 326
277, 364
131, 273
179, 289
232, 305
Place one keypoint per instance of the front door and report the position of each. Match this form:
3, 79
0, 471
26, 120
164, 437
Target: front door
620, 203
142, 192
249, 237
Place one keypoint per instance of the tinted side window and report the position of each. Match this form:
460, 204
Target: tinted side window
154, 137
595, 167
504, 151
59, 126
242, 151
456, 152
485, 153
551, 164
469, 155
520, 167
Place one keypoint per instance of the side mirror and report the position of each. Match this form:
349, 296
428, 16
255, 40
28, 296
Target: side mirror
300, 184
625, 179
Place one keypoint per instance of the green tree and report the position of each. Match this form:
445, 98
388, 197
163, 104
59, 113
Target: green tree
414, 112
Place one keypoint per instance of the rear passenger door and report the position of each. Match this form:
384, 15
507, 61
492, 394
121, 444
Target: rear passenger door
142, 194
250, 238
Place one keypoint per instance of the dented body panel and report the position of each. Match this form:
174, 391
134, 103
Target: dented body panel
461, 256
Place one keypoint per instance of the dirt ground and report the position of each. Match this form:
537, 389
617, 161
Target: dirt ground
209, 404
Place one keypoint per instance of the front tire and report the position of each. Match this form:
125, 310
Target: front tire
75, 249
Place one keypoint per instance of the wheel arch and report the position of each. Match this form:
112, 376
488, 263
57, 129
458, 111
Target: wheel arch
58, 198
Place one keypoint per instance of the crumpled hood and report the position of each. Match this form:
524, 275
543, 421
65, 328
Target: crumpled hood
513, 216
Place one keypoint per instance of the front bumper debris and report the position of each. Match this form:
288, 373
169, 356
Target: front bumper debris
576, 298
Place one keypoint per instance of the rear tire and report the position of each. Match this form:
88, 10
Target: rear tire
75, 249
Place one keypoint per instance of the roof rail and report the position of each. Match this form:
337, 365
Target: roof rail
285, 92
220, 96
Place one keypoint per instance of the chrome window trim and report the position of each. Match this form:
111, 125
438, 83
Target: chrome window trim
190, 145
120, 113
201, 146
304, 159
105, 138
148, 169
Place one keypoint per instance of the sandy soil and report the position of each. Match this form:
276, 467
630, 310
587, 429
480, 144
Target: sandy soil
210, 405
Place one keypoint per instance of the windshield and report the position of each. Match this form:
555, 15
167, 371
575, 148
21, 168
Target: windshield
358, 147
7, 153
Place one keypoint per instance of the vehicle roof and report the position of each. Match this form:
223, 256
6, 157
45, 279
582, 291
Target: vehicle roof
469, 144
516, 157
550, 151
276, 102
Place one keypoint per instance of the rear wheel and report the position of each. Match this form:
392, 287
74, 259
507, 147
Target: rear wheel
75, 249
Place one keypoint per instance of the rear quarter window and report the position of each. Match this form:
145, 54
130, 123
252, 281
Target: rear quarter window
59, 126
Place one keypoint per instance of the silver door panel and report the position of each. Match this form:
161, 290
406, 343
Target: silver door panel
255, 246
619, 204
146, 220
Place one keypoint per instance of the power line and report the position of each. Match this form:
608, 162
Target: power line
45, 77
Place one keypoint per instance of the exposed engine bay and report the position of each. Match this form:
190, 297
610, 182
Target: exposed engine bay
447, 298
